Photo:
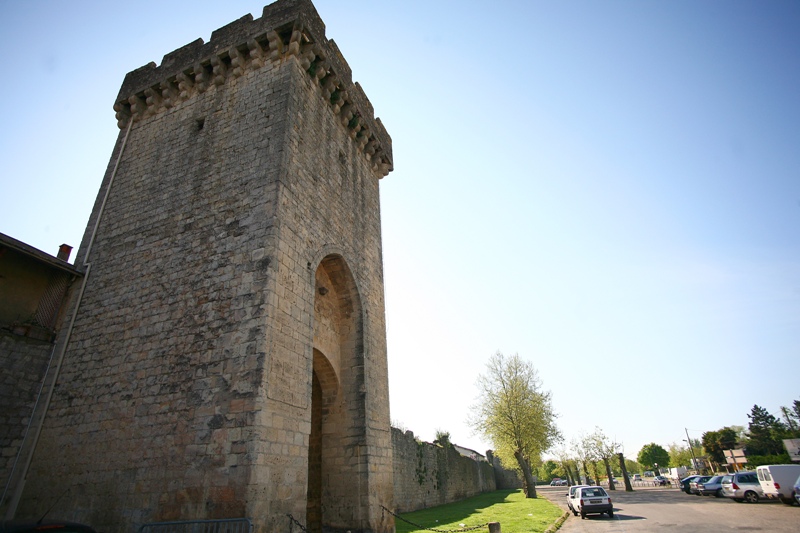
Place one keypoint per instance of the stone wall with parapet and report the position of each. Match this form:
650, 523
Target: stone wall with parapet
427, 474
286, 28
505, 479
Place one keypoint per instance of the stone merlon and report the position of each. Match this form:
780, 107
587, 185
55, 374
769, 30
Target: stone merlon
291, 28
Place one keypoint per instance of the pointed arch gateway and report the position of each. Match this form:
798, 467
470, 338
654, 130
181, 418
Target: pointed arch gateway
336, 474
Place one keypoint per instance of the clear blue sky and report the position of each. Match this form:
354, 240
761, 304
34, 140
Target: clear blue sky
610, 189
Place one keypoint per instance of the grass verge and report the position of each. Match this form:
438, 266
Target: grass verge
515, 512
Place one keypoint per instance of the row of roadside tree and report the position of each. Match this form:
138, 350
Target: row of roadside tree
594, 455
516, 414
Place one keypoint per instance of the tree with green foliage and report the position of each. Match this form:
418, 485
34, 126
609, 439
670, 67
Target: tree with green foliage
652, 454
605, 449
548, 471
765, 433
567, 464
626, 476
515, 414
591, 455
791, 417
679, 455
633, 467
583, 456
716, 442
443, 439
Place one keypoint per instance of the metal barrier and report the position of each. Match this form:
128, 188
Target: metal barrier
226, 525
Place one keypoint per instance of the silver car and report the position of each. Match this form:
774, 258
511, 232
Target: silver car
711, 487
742, 487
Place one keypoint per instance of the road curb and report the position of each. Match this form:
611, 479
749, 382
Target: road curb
555, 526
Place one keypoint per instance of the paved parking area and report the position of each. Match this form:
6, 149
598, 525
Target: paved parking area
662, 509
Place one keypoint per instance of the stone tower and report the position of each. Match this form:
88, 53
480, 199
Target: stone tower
227, 355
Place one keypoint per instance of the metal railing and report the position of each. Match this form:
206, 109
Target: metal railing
226, 525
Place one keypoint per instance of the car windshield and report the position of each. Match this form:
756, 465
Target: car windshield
593, 492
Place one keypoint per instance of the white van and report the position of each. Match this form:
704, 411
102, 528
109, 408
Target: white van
777, 481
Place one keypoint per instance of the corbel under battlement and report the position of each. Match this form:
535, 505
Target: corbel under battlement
286, 29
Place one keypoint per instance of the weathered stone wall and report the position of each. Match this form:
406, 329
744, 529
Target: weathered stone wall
23, 361
427, 474
505, 479
248, 183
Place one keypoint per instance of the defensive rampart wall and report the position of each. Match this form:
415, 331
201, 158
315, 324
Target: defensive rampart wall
427, 474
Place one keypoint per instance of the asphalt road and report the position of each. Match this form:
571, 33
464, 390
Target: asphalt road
663, 509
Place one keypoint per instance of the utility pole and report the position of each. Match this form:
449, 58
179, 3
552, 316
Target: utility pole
691, 448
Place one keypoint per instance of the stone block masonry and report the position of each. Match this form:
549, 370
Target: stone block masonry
23, 362
228, 355
426, 475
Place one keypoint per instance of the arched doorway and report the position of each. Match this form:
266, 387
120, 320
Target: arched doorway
338, 421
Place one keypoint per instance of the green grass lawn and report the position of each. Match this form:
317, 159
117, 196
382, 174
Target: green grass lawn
515, 512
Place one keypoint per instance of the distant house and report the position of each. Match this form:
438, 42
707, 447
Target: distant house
466, 452
33, 285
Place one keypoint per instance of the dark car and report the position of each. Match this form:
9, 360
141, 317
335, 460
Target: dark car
44, 526
711, 487
686, 481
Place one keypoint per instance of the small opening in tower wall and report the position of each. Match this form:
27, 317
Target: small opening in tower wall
199, 123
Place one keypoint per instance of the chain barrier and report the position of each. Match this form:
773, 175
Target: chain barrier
292, 521
418, 526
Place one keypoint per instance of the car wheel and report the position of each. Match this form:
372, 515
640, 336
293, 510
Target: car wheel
788, 501
583, 515
611, 514
575, 512
718, 494
751, 497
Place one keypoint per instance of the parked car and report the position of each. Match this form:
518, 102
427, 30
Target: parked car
573, 495
742, 487
685, 482
711, 487
556, 482
660, 481
44, 526
725, 479
777, 481
693, 484
797, 490
592, 500
636, 477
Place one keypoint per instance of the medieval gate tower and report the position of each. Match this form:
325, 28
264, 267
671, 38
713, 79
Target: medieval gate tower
227, 354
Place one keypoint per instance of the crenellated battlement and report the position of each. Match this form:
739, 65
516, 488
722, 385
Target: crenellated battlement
287, 29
